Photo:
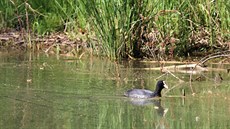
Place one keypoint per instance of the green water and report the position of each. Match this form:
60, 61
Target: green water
41, 92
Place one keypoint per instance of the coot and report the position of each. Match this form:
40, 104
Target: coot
141, 93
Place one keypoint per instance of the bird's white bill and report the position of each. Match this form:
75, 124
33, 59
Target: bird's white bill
165, 86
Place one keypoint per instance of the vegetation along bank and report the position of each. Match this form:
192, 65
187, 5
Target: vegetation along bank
117, 29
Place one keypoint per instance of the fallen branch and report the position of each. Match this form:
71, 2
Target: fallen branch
214, 55
180, 80
178, 85
161, 76
187, 68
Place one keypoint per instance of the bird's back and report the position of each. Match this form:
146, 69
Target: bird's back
139, 93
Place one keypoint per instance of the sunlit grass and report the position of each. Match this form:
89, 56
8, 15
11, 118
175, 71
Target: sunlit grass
126, 28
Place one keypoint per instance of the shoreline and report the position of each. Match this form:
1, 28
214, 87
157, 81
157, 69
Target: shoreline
61, 43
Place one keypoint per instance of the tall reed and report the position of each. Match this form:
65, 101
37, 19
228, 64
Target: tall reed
123, 27
127, 27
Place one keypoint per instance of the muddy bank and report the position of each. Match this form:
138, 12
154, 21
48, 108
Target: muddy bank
58, 43
64, 44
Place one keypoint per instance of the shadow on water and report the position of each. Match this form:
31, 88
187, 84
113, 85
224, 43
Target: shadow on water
146, 102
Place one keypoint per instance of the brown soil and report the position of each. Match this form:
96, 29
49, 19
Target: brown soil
61, 43
55, 43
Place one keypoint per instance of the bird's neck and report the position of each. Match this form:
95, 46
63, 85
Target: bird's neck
157, 92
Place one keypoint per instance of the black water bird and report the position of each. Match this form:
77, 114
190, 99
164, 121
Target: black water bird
141, 93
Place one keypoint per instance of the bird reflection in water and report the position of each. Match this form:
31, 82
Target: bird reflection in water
156, 102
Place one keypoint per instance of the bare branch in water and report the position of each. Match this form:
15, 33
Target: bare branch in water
215, 55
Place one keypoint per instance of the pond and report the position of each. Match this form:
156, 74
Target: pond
39, 91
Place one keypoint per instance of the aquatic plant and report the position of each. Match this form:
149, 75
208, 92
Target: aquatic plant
127, 28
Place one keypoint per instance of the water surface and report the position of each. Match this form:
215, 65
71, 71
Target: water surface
47, 92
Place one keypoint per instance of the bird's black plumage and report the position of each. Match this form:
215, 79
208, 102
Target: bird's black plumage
142, 93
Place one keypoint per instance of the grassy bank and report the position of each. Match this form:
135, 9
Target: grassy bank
126, 28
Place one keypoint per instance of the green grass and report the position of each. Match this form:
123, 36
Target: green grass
125, 27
